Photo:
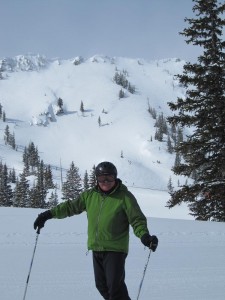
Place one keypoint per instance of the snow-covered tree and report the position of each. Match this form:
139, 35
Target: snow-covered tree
86, 181
92, 178
72, 187
21, 193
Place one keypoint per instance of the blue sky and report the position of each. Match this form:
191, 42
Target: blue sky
147, 29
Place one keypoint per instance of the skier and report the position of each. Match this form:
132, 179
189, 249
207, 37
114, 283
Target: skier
110, 208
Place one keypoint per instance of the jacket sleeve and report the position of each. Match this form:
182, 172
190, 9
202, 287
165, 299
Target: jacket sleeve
69, 208
135, 216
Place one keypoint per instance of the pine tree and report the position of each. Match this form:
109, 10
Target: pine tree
53, 200
12, 176
86, 184
60, 106
21, 192
4, 116
203, 109
34, 197
82, 107
7, 134
169, 145
26, 161
0, 111
131, 88
12, 141
60, 103
72, 187
48, 178
41, 189
31, 158
170, 186
121, 93
158, 135
6, 193
99, 121
92, 178
152, 111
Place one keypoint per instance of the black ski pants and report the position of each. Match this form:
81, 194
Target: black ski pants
109, 270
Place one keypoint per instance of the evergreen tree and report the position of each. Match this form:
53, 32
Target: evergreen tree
86, 184
170, 186
92, 178
41, 189
121, 94
12, 176
177, 162
60, 103
180, 137
6, 193
0, 111
161, 124
31, 158
7, 134
173, 131
48, 179
34, 197
12, 141
99, 121
60, 106
26, 161
158, 135
152, 111
72, 187
21, 192
53, 200
203, 109
131, 88
82, 107
169, 145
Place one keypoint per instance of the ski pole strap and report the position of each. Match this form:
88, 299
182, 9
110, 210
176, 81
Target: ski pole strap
143, 276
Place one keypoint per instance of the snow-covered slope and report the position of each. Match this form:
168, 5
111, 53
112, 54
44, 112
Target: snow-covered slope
30, 98
188, 264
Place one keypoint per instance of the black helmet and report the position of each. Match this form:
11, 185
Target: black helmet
105, 168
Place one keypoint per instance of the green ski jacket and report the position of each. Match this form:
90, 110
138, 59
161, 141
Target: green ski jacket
109, 217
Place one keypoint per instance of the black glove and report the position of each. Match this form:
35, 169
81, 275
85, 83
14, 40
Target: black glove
41, 219
150, 241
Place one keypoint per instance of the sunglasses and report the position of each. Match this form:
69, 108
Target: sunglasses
105, 178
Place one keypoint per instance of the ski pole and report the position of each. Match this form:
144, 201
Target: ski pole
145, 268
28, 277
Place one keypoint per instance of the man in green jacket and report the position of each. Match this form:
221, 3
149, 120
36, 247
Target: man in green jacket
110, 208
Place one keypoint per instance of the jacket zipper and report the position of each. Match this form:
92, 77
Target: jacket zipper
98, 220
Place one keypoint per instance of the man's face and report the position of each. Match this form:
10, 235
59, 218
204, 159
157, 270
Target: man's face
106, 182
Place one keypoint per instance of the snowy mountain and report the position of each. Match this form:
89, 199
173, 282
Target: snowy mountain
111, 128
188, 262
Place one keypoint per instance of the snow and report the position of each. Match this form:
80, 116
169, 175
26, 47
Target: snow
189, 262
29, 98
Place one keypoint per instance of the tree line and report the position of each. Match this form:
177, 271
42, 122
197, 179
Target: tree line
34, 187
